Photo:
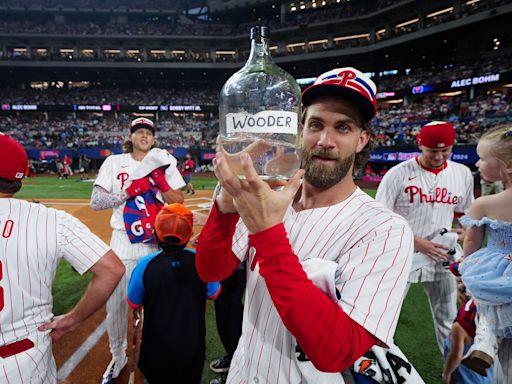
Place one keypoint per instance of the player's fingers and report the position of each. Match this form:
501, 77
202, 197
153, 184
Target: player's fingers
294, 184
441, 246
225, 175
54, 336
251, 176
46, 326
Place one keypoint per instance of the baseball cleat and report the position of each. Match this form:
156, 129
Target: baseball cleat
113, 370
220, 365
219, 380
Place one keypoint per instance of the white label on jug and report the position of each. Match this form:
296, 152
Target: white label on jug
262, 122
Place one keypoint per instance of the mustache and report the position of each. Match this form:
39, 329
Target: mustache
324, 153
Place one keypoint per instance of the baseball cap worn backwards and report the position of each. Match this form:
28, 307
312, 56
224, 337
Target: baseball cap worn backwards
437, 134
348, 83
13, 159
142, 122
174, 220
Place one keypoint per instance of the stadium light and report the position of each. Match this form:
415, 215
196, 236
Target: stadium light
451, 94
367, 35
407, 23
324, 41
434, 14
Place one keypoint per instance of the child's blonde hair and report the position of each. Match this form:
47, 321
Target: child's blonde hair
500, 138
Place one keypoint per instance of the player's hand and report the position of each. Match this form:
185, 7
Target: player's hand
436, 251
259, 206
462, 293
447, 377
138, 187
158, 175
193, 239
199, 218
58, 326
224, 200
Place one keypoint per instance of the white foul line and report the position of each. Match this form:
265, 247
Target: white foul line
80, 353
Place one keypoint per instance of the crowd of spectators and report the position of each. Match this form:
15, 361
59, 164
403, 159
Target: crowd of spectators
73, 132
203, 96
396, 124
132, 28
96, 4
180, 25
208, 95
436, 74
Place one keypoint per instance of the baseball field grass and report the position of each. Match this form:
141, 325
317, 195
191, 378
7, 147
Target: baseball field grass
414, 335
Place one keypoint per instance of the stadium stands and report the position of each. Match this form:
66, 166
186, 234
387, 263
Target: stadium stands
74, 73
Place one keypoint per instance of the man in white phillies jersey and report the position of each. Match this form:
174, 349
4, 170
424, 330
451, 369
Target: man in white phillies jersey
33, 240
327, 265
427, 191
112, 188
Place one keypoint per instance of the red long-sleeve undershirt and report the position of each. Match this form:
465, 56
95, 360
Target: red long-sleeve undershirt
326, 334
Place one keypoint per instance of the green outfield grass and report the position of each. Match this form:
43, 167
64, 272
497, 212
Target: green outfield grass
50, 187
415, 333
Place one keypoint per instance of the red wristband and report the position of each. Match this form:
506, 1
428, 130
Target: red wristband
164, 186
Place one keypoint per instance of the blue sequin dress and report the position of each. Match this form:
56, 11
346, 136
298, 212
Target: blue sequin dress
487, 274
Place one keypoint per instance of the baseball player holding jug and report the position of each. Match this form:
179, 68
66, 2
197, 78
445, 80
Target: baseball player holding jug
427, 191
34, 240
327, 265
124, 183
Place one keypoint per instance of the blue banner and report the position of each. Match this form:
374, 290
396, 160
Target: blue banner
465, 155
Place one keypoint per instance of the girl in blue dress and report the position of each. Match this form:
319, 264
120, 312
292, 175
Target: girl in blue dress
487, 271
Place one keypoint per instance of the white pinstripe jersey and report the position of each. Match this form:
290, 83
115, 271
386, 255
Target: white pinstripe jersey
33, 239
427, 201
114, 174
370, 249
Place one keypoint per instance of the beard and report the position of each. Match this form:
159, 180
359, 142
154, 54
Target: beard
324, 176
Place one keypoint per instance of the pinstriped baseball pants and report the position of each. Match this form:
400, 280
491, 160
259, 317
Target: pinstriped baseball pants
442, 298
504, 368
117, 307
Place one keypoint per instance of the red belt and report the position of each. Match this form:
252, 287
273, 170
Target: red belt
15, 348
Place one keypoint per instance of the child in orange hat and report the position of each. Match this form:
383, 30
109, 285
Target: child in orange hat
167, 285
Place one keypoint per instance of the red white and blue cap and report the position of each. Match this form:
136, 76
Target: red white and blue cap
348, 83
142, 122
437, 134
13, 159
